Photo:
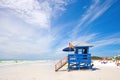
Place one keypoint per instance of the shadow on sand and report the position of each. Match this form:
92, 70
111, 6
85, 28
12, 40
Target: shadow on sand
82, 69
94, 69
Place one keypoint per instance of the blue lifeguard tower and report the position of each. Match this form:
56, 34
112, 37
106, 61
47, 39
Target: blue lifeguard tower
80, 58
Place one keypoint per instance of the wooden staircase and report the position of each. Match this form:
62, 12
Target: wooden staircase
61, 63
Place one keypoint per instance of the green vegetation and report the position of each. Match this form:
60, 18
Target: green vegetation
106, 58
117, 58
96, 58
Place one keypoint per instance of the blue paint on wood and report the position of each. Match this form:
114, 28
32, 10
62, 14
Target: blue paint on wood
80, 59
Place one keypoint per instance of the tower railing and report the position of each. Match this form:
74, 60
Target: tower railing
61, 63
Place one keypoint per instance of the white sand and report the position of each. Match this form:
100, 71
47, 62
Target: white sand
45, 71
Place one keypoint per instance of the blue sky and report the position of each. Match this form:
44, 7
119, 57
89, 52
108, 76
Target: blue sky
40, 29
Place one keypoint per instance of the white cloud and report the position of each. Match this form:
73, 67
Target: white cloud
25, 26
28, 10
108, 40
16, 38
19, 38
34, 12
99, 9
85, 38
65, 43
95, 10
95, 39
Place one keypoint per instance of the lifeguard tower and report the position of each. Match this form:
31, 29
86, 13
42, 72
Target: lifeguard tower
79, 59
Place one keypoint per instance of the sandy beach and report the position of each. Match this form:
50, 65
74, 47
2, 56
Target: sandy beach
37, 70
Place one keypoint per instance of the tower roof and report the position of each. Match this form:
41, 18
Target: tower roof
84, 44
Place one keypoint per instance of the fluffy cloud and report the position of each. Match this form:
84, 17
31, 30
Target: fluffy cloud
25, 26
36, 12
17, 38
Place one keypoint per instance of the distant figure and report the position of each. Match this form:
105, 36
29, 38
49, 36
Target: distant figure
118, 63
16, 61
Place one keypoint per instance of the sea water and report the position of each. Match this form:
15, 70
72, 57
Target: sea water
14, 62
